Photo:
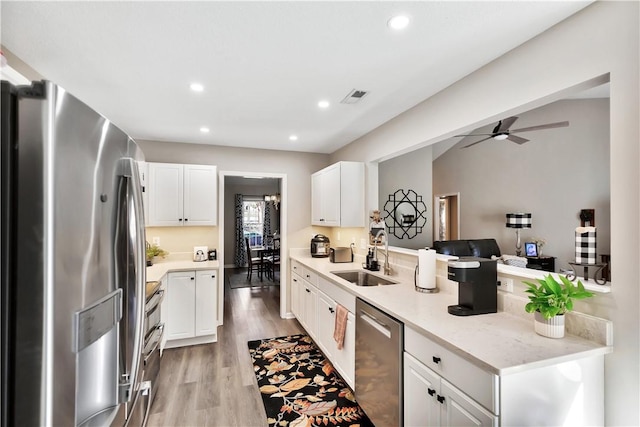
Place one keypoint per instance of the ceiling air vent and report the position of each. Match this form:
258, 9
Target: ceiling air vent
354, 96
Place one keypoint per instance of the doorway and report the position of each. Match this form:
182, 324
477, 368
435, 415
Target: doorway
258, 185
446, 221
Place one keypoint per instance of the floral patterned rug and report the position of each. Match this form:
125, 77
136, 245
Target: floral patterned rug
300, 388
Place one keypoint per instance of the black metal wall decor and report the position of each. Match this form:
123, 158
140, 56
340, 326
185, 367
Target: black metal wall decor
406, 214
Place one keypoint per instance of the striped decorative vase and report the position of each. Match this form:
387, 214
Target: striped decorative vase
551, 328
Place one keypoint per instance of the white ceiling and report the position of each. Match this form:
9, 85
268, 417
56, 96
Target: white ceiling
264, 65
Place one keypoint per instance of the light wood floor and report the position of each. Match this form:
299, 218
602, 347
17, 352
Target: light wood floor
214, 384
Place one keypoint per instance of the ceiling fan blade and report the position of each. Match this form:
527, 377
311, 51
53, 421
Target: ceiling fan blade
517, 139
540, 127
506, 124
474, 134
474, 143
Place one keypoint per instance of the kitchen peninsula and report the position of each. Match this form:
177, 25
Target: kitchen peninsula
495, 364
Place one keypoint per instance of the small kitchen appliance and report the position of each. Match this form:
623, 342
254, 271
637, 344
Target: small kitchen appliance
200, 253
320, 246
478, 289
341, 254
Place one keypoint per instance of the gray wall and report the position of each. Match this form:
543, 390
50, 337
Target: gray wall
411, 171
601, 40
553, 176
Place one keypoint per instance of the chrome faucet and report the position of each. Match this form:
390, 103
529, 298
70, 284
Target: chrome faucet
386, 267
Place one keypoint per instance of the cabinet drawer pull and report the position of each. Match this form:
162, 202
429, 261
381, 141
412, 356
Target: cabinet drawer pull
436, 359
306, 289
431, 391
295, 280
440, 399
213, 276
193, 278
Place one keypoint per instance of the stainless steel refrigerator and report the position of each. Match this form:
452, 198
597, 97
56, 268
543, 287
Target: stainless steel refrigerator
73, 264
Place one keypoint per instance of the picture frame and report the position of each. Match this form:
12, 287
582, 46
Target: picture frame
531, 249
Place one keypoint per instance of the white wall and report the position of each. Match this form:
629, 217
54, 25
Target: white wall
603, 38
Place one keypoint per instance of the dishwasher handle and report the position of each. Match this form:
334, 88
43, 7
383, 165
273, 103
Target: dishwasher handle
381, 327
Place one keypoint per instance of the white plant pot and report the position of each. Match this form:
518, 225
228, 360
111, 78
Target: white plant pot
551, 328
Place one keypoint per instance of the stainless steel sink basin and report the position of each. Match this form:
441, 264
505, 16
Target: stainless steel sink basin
363, 278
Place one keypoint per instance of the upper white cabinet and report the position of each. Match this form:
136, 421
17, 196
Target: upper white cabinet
182, 194
337, 195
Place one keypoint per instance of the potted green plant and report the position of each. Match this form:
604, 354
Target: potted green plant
154, 251
550, 300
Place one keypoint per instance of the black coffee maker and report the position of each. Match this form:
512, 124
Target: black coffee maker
478, 285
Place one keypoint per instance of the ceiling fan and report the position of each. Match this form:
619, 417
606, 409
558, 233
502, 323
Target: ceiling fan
502, 131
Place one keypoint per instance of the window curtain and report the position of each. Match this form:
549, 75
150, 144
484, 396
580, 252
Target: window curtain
267, 233
241, 250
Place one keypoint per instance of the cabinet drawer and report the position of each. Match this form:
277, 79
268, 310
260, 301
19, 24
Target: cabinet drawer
310, 276
296, 267
479, 384
338, 294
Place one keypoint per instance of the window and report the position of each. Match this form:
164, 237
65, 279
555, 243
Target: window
253, 221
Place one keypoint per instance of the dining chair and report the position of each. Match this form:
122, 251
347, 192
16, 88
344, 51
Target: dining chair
274, 258
253, 263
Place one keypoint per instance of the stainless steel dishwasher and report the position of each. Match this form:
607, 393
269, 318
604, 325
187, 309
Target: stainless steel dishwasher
379, 346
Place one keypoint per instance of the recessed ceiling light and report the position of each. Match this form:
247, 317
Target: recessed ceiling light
399, 22
204, 129
323, 104
196, 87
293, 138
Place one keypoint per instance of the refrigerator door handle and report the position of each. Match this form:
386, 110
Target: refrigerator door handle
130, 239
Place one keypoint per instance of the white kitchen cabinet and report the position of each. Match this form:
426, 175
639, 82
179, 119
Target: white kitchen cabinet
304, 297
182, 194
337, 195
430, 400
191, 301
343, 359
296, 285
206, 302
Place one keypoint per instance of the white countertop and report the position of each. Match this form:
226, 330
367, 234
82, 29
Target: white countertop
160, 268
500, 343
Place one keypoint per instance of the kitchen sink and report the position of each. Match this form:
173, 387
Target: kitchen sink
363, 278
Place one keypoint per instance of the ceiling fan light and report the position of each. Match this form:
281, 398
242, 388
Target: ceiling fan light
501, 136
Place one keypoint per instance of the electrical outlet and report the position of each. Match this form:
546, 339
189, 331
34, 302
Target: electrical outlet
363, 243
156, 240
506, 284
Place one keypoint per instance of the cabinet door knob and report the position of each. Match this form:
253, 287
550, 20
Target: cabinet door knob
179, 219
295, 280
213, 276
307, 289
440, 399
331, 310
193, 278
436, 359
431, 391
186, 219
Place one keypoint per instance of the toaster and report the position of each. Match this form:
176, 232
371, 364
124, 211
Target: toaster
341, 254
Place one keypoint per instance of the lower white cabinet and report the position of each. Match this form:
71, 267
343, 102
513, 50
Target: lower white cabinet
343, 359
429, 400
191, 307
315, 309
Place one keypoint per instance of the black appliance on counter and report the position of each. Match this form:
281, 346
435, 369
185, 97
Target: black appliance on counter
320, 246
478, 285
